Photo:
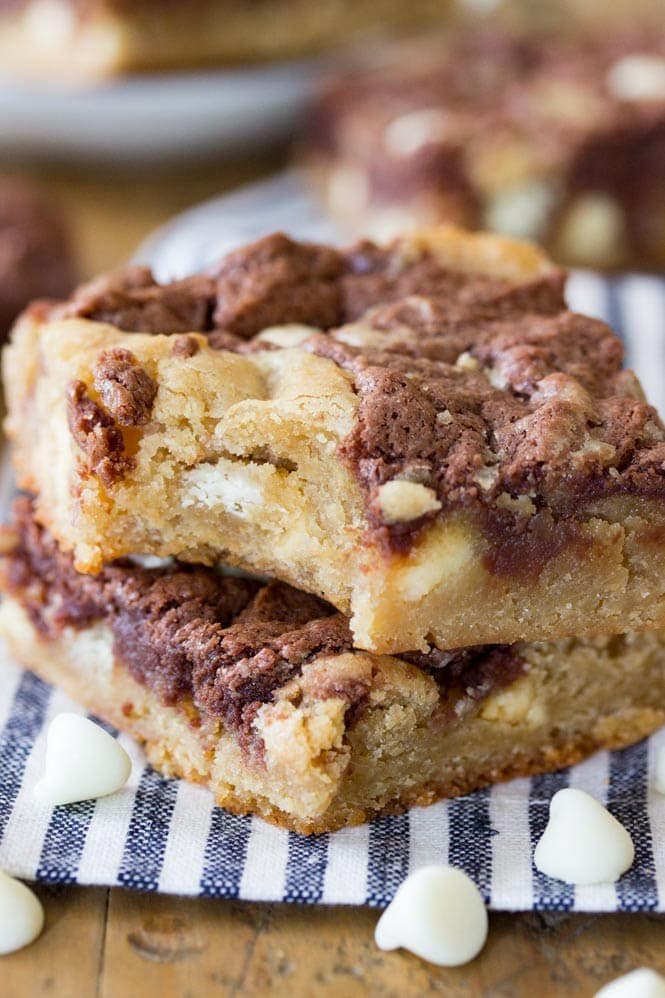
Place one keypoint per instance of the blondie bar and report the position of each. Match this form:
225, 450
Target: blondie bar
548, 137
90, 39
256, 690
421, 434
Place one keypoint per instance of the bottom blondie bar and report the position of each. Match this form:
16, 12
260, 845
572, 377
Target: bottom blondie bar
255, 689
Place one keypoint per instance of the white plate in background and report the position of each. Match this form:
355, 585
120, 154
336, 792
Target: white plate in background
196, 238
168, 116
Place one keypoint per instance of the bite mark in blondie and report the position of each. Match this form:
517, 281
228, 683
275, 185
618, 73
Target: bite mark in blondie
447, 453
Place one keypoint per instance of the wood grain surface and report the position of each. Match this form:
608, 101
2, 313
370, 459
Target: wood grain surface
117, 944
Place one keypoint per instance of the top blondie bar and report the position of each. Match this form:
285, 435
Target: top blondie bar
421, 433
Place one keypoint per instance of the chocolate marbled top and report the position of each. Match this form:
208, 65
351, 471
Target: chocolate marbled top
489, 392
227, 643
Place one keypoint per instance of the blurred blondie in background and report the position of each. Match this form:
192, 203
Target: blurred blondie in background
545, 128
542, 120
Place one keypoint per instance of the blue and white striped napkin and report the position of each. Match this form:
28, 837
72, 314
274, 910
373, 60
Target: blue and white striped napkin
166, 835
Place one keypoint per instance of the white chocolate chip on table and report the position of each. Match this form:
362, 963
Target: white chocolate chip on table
583, 843
21, 915
82, 762
438, 914
641, 983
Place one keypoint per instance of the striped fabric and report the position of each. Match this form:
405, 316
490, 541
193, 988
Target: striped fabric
161, 835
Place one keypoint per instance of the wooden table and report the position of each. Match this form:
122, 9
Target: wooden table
117, 944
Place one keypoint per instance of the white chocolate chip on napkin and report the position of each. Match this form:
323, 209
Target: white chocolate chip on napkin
642, 983
583, 843
82, 761
438, 914
21, 915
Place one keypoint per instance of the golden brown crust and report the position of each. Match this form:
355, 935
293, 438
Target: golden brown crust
547, 760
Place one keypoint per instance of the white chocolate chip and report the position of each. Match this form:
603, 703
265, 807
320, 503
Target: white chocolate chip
593, 447
466, 362
438, 914
638, 77
496, 378
82, 761
522, 505
357, 334
583, 843
592, 230
486, 477
522, 210
290, 335
444, 417
659, 775
406, 135
520, 703
401, 500
564, 388
641, 983
21, 915
149, 560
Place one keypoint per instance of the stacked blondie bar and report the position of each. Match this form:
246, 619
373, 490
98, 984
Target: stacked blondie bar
335, 532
